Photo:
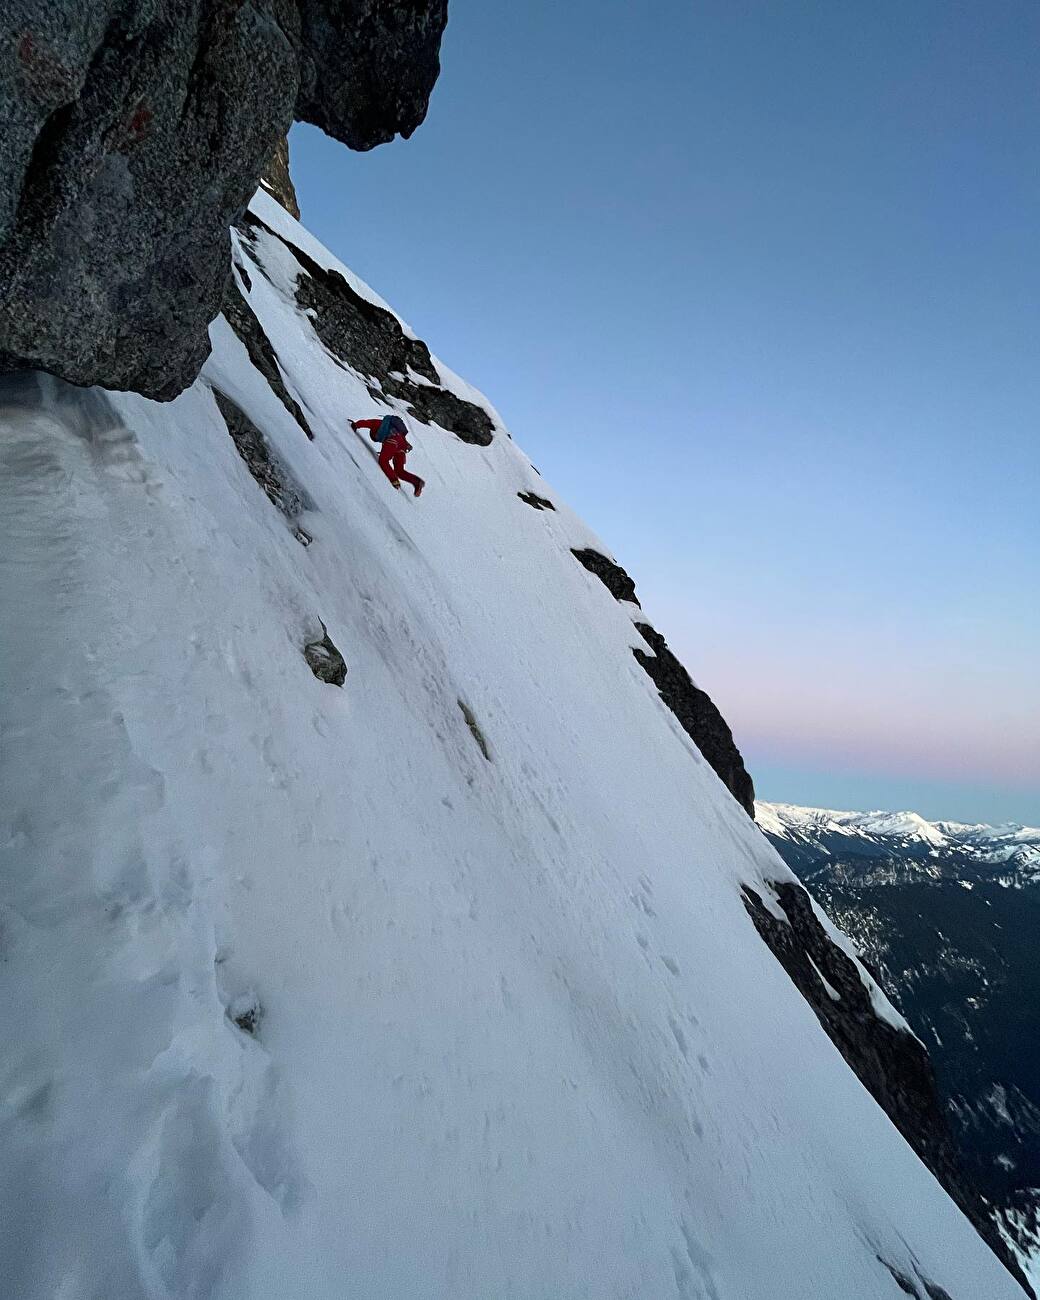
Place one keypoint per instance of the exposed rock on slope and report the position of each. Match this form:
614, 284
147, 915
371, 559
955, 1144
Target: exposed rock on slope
236, 311
325, 660
892, 1064
278, 180
134, 135
536, 502
363, 335
699, 716
252, 447
700, 719
612, 575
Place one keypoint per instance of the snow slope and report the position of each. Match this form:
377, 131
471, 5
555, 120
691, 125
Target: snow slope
518, 1036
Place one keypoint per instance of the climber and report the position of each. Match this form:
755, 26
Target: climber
392, 432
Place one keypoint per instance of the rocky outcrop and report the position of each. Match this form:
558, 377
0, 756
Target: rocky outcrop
324, 659
891, 1063
909, 1287
474, 729
536, 502
698, 715
135, 133
272, 477
612, 575
440, 406
239, 315
696, 712
370, 340
367, 67
278, 181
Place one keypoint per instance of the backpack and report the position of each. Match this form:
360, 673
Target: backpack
388, 426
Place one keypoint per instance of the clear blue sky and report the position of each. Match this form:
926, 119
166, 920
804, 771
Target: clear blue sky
757, 286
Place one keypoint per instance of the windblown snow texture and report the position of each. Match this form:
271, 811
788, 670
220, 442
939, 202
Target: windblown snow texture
436, 983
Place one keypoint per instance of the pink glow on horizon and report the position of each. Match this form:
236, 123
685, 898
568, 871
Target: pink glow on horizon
878, 724
918, 746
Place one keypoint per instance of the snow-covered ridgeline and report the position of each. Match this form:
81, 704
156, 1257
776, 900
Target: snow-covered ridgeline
996, 844
785, 818
515, 1033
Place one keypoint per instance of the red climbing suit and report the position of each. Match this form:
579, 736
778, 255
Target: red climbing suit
391, 461
392, 455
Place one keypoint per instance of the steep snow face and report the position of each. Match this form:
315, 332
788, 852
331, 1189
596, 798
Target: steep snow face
435, 984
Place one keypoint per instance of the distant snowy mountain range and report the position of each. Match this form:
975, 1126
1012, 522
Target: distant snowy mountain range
946, 916
1007, 855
